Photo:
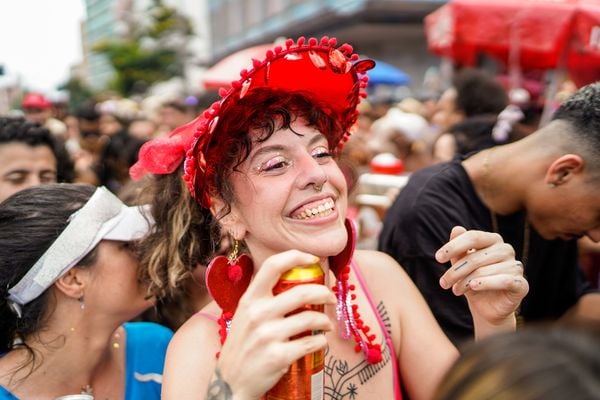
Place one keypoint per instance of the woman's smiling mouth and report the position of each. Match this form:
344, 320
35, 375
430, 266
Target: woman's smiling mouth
316, 209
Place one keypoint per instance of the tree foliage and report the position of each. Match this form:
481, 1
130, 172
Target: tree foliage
151, 52
78, 91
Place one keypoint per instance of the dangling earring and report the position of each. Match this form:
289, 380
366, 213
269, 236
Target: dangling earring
81, 302
234, 273
227, 278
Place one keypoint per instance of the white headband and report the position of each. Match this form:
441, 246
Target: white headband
103, 217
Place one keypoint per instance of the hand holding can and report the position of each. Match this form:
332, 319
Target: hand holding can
304, 378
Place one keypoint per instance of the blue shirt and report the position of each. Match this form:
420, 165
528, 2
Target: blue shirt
144, 361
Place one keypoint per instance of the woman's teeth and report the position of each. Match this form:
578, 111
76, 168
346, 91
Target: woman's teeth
317, 210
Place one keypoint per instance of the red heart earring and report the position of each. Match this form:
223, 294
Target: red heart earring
227, 278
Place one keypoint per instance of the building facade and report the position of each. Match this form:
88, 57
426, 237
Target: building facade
389, 30
101, 23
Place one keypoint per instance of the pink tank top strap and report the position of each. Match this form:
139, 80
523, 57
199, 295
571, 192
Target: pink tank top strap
388, 339
207, 315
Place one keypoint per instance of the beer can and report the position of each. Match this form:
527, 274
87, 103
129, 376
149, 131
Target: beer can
304, 379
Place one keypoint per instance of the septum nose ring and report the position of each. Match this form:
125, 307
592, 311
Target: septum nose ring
318, 188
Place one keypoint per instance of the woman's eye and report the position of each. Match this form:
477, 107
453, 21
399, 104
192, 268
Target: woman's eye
321, 152
274, 164
127, 246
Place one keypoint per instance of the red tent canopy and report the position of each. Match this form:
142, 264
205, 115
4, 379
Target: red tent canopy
532, 34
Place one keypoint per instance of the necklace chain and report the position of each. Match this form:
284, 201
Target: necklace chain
526, 236
494, 217
496, 228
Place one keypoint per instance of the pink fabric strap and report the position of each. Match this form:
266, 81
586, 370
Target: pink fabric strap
388, 339
207, 315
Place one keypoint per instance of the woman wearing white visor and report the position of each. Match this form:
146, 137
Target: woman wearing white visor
68, 285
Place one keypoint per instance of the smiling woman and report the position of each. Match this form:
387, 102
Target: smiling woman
263, 163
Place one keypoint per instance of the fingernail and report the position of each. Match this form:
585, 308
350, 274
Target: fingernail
443, 283
439, 256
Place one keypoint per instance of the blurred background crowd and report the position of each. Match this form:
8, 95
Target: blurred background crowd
451, 78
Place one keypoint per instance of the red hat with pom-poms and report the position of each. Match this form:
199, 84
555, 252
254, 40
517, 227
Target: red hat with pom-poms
333, 76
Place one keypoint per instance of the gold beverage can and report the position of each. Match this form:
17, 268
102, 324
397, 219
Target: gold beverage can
304, 380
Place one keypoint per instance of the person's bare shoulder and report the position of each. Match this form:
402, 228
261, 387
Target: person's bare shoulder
202, 323
376, 265
191, 356
387, 279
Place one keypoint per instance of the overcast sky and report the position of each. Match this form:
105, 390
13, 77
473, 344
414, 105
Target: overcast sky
40, 40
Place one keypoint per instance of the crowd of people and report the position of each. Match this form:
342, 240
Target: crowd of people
139, 254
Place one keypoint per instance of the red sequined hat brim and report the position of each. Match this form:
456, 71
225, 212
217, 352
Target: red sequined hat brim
324, 73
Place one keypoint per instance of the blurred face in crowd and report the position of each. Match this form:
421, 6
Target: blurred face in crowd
37, 115
89, 128
89, 135
143, 129
446, 113
109, 125
173, 118
23, 166
72, 127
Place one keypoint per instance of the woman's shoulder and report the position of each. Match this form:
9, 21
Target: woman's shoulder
199, 333
373, 262
381, 272
202, 323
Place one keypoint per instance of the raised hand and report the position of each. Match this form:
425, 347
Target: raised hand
258, 350
485, 270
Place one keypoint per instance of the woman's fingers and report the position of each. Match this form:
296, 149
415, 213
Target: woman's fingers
271, 270
510, 268
476, 259
299, 296
464, 243
506, 282
282, 330
278, 356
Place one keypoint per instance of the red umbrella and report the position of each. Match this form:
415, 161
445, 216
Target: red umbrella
529, 34
228, 69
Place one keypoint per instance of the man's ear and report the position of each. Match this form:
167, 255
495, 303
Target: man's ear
73, 283
564, 169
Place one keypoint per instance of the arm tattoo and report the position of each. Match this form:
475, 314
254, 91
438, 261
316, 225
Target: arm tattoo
218, 388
